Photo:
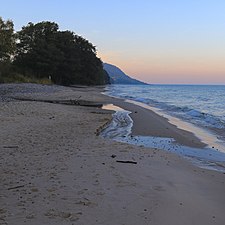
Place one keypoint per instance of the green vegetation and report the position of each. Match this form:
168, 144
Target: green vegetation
7, 47
18, 78
41, 52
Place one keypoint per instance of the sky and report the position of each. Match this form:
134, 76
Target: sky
156, 41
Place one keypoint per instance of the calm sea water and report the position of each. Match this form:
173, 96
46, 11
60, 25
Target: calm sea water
202, 105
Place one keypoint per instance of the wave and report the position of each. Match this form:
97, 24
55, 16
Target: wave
185, 113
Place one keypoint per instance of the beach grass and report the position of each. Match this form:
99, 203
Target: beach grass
19, 78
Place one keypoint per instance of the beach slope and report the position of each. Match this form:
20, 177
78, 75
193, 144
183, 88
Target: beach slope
56, 170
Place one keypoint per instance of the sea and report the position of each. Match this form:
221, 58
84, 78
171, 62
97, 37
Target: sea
201, 106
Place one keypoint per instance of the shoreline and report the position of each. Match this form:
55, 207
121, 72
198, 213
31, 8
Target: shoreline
208, 138
55, 170
149, 123
204, 125
190, 135
122, 129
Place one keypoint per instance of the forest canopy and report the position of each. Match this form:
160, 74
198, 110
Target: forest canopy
42, 51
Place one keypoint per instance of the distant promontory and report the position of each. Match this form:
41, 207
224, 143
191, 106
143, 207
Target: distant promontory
117, 76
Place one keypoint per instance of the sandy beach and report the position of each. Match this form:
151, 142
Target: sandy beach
56, 170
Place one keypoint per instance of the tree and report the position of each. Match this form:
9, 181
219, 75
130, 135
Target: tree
7, 47
35, 49
44, 51
7, 40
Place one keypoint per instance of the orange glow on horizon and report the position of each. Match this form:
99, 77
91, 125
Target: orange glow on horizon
170, 70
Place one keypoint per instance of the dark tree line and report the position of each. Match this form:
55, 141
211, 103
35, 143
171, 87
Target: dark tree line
43, 51
7, 46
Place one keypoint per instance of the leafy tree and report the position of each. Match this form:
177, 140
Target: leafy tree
35, 49
7, 39
91, 66
44, 51
7, 47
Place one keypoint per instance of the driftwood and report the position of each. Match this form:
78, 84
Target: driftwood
20, 186
78, 86
65, 102
11, 146
121, 161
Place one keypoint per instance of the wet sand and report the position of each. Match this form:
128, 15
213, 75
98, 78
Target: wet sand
148, 123
55, 170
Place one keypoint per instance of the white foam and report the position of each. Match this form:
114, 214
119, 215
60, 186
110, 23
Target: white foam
205, 136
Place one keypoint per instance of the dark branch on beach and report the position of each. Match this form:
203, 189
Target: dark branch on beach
16, 187
121, 161
65, 102
10, 146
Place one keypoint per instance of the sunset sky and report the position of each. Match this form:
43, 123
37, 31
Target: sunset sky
157, 41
